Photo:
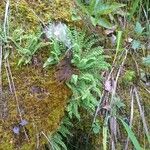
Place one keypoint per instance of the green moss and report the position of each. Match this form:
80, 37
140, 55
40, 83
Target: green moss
23, 13
42, 102
128, 77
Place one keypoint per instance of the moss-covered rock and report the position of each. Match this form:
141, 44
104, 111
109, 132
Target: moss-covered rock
29, 14
37, 98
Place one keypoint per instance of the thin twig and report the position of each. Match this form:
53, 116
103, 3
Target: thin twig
7, 66
8, 78
141, 113
108, 78
1, 90
98, 107
6, 18
15, 94
114, 92
117, 77
1, 48
131, 114
1, 51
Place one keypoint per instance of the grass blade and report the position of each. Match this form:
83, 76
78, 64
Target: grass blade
104, 137
134, 7
131, 135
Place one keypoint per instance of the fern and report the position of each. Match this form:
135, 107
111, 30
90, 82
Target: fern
26, 45
56, 140
88, 58
56, 52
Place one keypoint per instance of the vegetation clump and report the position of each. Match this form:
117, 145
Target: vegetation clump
57, 89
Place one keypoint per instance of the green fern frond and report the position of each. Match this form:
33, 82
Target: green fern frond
56, 140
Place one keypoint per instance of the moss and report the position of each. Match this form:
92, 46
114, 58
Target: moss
42, 102
23, 13
128, 77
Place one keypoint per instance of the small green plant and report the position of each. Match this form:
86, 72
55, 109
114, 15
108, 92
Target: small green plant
55, 53
89, 60
128, 77
56, 140
98, 11
139, 32
26, 44
146, 60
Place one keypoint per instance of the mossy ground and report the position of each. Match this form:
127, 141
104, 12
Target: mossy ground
42, 100
29, 14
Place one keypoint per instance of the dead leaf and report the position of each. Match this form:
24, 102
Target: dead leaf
108, 85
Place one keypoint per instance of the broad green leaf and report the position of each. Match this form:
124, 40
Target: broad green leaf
105, 8
82, 63
138, 28
86, 94
49, 61
93, 3
58, 140
74, 79
87, 77
76, 59
76, 111
89, 65
56, 47
134, 6
96, 127
64, 131
146, 60
67, 122
119, 36
87, 62
131, 135
136, 44
94, 21
54, 146
118, 102
97, 90
73, 109
104, 23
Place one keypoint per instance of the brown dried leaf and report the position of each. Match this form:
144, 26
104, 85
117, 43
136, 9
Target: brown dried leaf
65, 69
